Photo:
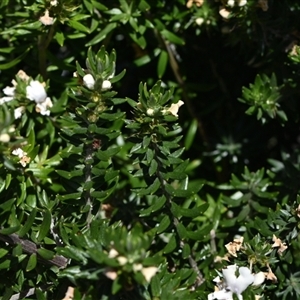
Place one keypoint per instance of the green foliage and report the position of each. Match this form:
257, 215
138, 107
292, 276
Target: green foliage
149, 183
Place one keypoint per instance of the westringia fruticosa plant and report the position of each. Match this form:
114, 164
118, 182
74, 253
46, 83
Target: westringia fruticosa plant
182, 186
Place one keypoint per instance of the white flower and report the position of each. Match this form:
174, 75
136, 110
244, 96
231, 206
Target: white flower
230, 3
18, 112
4, 138
199, 21
259, 278
24, 159
22, 75
236, 285
46, 19
110, 273
149, 272
173, 109
9, 93
122, 260
35, 91
150, 112
19, 152
224, 13
106, 85
113, 253
54, 2
89, 81
220, 295
42, 107
137, 267
242, 2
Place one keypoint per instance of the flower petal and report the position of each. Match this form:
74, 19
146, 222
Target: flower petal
35, 91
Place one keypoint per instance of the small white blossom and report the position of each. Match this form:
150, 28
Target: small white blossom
224, 13
46, 19
9, 93
22, 75
122, 260
54, 2
137, 267
242, 2
35, 91
150, 112
42, 108
18, 112
19, 152
110, 273
89, 81
106, 85
259, 278
149, 272
4, 138
199, 21
236, 285
173, 109
113, 253
230, 3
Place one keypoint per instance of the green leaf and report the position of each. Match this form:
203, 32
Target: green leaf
186, 251
14, 61
171, 245
151, 189
153, 167
4, 3
45, 226
181, 230
159, 203
116, 286
155, 286
73, 253
45, 253
201, 234
3, 252
78, 26
191, 134
31, 264
10, 230
163, 224
118, 77
60, 38
162, 63
102, 35
244, 213
28, 224
173, 38
188, 212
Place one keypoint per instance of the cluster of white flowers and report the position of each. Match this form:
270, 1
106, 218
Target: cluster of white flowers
235, 285
225, 12
89, 82
232, 3
24, 159
35, 91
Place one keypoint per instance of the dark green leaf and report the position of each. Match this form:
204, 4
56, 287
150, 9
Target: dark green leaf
102, 35
163, 224
28, 223
45, 227
31, 264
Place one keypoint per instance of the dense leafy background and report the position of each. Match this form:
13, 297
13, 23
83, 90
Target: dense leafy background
115, 170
